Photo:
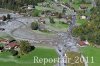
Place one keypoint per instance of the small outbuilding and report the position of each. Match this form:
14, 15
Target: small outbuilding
83, 43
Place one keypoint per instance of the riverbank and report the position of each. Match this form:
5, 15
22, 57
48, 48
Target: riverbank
4, 11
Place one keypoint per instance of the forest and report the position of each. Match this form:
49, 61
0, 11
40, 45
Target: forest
90, 30
15, 4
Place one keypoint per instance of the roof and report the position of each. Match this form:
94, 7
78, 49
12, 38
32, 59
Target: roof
82, 6
82, 43
30, 5
12, 44
1, 18
2, 40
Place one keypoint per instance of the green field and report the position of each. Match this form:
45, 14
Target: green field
28, 60
92, 52
43, 8
65, 1
58, 26
80, 21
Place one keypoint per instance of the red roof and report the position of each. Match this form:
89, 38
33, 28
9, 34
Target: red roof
3, 40
12, 44
81, 43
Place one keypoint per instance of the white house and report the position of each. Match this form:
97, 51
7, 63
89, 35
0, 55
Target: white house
56, 0
30, 7
83, 17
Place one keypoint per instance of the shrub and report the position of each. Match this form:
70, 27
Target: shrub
17, 56
32, 48
61, 22
36, 13
14, 52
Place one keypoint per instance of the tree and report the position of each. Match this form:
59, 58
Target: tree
25, 47
51, 20
8, 16
64, 10
59, 15
4, 18
34, 26
14, 52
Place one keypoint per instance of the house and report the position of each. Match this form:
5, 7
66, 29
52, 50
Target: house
41, 20
41, 23
83, 43
83, 17
6, 44
11, 45
68, 19
30, 7
56, 0
4, 41
83, 7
